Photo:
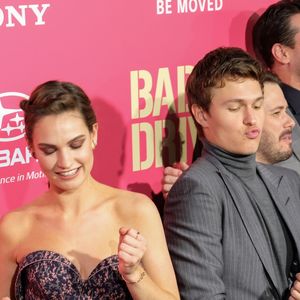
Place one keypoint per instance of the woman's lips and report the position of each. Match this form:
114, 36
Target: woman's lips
68, 174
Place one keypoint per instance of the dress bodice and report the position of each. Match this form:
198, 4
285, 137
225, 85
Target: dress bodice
46, 274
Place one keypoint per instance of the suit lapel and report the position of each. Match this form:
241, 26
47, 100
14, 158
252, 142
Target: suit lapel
249, 218
296, 137
296, 143
284, 200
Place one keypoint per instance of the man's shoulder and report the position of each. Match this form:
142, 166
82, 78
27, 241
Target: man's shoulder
279, 170
292, 163
202, 166
284, 178
202, 174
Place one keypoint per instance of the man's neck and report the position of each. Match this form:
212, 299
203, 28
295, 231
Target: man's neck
261, 159
286, 76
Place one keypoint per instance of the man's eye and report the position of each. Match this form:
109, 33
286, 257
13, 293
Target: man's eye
233, 108
258, 105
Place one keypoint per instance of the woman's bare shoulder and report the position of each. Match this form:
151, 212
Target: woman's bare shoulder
16, 223
132, 204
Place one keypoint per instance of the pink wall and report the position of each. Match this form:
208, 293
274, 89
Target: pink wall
132, 58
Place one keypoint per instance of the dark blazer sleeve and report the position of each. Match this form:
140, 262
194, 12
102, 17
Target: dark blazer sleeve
193, 228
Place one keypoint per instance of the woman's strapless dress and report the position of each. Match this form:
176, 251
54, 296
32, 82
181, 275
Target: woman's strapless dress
49, 275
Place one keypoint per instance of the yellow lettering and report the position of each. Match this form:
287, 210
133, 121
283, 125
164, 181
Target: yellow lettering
163, 84
137, 130
138, 93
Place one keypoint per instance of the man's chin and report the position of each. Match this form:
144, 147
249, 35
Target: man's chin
286, 147
284, 155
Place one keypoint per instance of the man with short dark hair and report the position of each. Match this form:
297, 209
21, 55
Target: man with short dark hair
276, 42
276, 140
232, 226
275, 146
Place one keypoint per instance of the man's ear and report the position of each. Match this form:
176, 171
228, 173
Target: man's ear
280, 53
200, 115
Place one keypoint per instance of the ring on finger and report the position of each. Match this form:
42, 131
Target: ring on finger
137, 235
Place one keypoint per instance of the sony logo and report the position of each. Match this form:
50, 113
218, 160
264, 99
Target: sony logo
10, 15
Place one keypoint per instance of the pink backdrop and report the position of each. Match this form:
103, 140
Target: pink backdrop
132, 58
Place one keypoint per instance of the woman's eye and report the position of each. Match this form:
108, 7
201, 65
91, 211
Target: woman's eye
48, 151
76, 145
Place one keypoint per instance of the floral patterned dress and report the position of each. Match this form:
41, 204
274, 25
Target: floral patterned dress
49, 275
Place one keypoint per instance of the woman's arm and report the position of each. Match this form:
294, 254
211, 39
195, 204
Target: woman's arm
9, 233
145, 264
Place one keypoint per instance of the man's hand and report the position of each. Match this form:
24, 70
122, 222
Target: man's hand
295, 290
171, 174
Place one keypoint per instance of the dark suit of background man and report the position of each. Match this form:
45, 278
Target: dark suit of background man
232, 225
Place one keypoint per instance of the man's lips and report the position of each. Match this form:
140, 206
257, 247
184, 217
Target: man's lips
252, 133
286, 135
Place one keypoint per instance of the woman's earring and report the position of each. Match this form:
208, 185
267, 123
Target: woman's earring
94, 144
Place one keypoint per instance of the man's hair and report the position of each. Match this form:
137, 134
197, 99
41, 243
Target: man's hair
269, 77
274, 26
224, 63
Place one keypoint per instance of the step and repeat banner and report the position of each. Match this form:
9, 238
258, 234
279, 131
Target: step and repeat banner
132, 58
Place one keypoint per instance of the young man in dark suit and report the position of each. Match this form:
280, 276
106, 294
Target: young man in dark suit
232, 226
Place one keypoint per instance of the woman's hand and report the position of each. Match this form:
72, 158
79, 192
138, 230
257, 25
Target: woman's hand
132, 246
